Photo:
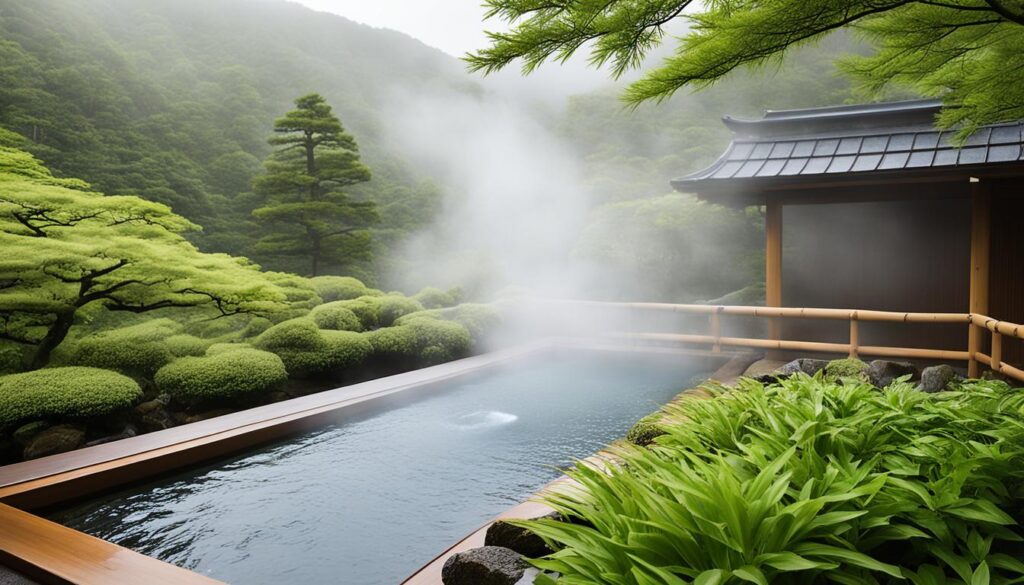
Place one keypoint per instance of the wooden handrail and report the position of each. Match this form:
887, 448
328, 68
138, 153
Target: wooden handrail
973, 355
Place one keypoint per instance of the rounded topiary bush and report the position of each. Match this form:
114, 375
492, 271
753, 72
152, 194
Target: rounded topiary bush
222, 376
219, 348
346, 349
422, 341
139, 350
478, 319
336, 317
341, 288
392, 307
435, 298
366, 308
305, 349
72, 392
394, 343
186, 345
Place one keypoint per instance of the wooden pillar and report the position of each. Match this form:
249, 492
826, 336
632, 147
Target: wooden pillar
773, 264
981, 243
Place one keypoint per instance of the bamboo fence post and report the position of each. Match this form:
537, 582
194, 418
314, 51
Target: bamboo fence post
716, 331
981, 243
854, 335
997, 352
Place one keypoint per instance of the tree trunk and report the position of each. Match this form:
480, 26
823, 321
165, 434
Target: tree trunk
314, 187
58, 331
315, 249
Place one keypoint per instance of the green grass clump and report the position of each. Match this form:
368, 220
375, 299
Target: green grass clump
138, 350
805, 481
336, 317
306, 350
341, 288
72, 392
222, 376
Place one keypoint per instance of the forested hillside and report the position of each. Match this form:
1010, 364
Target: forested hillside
173, 100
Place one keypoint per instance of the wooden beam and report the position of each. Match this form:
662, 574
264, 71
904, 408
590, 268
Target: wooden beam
981, 243
773, 264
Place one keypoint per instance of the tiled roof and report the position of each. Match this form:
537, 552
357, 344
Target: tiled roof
850, 140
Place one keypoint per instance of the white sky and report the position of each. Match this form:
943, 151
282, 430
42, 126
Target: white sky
454, 26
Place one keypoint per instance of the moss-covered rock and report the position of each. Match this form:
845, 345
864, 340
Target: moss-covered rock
336, 317
341, 288
645, 430
848, 368
70, 392
223, 376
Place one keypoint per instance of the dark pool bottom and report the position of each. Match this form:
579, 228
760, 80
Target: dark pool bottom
369, 501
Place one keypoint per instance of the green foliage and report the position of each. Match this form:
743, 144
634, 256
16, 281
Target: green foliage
394, 306
67, 249
64, 392
847, 368
115, 92
423, 341
306, 350
805, 481
969, 52
366, 308
307, 212
478, 319
224, 375
341, 288
336, 317
435, 298
221, 348
186, 345
137, 350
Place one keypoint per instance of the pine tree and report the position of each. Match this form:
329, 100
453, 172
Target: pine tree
969, 52
306, 209
66, 248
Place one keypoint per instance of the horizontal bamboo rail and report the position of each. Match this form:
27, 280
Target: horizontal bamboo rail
853, 348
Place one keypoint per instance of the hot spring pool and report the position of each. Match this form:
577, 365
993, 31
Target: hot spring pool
371, 500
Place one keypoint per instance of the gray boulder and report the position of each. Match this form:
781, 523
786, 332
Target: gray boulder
802, 365
518, 539
936, 378
488, 565
55, 440
153, 416
881, 373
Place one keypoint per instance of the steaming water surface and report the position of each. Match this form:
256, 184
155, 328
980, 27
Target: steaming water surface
369, 501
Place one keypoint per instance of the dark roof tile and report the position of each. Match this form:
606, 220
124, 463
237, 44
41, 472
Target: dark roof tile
854, 139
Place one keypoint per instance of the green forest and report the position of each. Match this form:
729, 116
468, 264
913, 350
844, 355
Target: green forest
171, 193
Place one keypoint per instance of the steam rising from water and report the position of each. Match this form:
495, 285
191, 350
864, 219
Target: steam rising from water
483, 419
514, 202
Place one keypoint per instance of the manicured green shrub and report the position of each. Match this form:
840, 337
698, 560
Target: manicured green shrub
392, 307
434, 298
306, 350
423, 341
73, 392
478, 319
805, 481
341, 288
394, 343
366, 308
219, 348
139, 350
847, 368
223, 376
186, 345
336, 317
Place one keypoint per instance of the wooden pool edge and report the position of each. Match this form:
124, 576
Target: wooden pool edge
430, 574
53, 554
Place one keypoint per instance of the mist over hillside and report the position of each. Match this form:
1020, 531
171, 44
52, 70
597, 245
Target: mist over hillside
173, 100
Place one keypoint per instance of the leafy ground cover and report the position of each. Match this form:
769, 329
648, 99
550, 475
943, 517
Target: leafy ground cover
807, 480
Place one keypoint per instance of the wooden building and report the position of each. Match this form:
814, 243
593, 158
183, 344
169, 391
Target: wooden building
871, 207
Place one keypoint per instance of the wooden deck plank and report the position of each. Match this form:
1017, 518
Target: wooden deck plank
63, 555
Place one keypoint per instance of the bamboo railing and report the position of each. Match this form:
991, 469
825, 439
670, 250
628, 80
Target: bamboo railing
973, 355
